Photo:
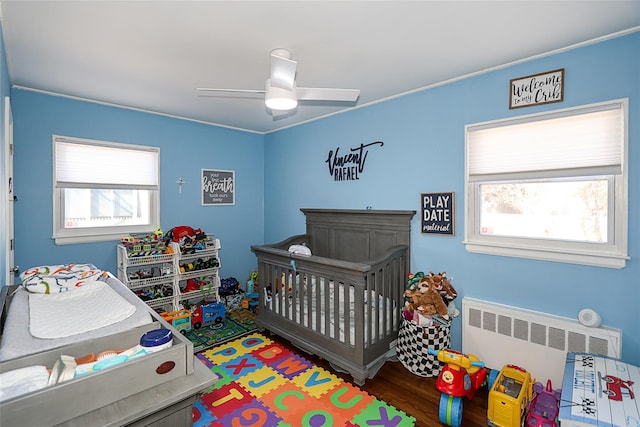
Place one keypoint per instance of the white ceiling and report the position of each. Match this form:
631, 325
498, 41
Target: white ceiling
151, 55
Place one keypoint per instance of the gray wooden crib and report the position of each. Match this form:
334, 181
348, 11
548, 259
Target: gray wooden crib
344, 301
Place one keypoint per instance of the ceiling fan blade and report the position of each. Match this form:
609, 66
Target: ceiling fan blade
211, 89
279, 113
283, 70
327, 94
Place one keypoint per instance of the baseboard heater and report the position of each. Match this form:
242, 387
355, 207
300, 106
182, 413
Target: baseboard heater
501, 334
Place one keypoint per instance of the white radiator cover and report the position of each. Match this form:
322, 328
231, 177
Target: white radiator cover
538, 342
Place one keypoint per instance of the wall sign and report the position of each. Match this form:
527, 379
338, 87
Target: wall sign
218, 187
537, 89
349, 166
437, 213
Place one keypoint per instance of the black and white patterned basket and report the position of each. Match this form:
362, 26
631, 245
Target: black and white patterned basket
412, 344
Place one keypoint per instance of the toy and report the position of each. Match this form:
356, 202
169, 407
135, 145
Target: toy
180, 320
509, 397
443, 285
229, 286
251, 301
252, 283
206, 314
426, 299
429, 299
144, 244
545, 406
462, 376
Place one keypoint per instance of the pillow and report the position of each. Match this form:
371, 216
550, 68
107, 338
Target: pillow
51, 279
299, 249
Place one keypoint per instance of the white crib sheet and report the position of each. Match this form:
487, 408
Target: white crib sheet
277, 302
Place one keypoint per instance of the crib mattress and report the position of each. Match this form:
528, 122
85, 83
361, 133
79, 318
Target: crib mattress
299, 311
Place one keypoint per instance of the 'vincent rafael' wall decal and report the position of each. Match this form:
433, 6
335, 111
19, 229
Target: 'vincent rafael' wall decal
349, 166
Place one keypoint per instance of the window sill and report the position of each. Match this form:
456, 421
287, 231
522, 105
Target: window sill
594, 259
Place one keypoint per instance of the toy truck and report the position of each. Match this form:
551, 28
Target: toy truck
206, 314
180, 320
509, 397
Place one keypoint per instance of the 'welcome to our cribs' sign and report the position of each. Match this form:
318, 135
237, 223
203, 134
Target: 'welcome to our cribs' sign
437, 213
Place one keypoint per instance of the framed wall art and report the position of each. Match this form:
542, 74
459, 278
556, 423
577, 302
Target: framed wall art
537, 89
218, 187
438, 214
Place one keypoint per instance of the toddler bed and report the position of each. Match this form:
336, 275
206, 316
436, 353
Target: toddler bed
343, 302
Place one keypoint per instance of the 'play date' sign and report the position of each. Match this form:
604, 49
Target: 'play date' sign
437, 213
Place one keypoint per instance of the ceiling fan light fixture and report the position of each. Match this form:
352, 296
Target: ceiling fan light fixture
277, 98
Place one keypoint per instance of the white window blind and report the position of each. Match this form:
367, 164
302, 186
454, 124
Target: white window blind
584, 140
88, 164
575, 159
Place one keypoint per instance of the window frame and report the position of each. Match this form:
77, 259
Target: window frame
64, 236
612, 254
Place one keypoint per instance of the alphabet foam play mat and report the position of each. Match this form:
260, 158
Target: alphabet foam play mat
262, 383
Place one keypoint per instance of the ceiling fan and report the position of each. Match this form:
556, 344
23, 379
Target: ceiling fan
281, 92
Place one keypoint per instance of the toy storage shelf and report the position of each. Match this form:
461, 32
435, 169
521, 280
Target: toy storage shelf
150, 272
208, 256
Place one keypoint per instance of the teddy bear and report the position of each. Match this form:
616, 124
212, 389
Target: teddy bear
426, 299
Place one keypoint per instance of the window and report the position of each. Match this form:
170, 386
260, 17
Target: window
103, 190
550, 186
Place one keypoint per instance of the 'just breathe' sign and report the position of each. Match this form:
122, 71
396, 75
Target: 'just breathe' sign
218, 187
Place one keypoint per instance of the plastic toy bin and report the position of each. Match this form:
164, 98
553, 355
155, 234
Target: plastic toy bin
413, 342
84, 394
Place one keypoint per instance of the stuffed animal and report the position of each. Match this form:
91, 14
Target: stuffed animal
431, 301
426, 299
443, 285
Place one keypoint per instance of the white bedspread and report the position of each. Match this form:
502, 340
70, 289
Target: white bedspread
87, 308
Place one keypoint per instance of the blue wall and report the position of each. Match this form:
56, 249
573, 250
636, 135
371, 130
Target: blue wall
423, 151
185, 148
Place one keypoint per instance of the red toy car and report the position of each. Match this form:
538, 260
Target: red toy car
462, 376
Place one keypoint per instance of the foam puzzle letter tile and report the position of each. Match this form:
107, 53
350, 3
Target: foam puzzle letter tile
226, 399
316, 381
219, 355
241, 366
262, 381
271, 353
254, 414
291, 366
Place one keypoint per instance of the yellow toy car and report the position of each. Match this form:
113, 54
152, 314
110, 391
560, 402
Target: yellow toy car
509, 397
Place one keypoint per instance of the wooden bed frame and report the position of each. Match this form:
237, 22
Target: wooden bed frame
359, 265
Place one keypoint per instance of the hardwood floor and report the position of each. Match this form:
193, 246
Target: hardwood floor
412, 394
